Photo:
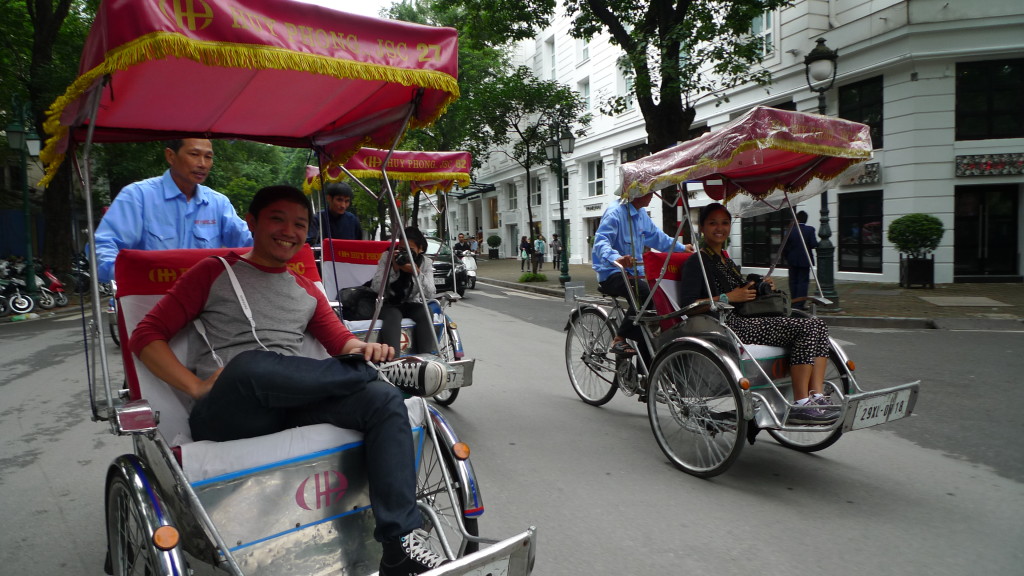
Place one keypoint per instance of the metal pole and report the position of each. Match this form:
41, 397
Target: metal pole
564, 257
30, 264
825, 250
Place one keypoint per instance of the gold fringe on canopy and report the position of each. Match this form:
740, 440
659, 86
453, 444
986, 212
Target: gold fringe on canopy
759, 144
160, 45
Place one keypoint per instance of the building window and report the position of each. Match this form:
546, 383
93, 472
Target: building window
549, 51
762, 28
584, 89
535, 191
583, 50
762, 235
860, 232
595, 178
862, 102
565, 185
990, 99
513, 200
633, 153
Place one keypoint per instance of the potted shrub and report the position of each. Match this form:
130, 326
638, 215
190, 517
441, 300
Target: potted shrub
493, 241
916, 236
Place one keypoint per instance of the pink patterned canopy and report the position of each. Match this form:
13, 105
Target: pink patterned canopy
759, 158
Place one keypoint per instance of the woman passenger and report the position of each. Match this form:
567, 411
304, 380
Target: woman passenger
805, 338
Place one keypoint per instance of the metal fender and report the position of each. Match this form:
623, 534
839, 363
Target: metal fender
154, 513
579, 309
473, 504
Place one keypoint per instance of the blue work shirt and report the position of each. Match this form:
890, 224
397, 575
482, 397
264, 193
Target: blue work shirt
153, 214
626, 230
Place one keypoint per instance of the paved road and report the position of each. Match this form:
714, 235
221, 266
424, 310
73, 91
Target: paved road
592, 479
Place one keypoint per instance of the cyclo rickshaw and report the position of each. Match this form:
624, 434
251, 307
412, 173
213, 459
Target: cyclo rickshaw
284, 73
351, 263
706, 391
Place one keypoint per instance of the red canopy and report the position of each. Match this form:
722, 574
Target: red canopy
274, 71
760, 158
428, 171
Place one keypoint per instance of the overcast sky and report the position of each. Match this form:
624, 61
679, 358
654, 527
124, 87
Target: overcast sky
364, 7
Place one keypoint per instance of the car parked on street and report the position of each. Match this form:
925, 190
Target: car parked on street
444, 260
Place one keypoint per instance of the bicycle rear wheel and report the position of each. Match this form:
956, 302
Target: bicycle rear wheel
591, 369
695, 410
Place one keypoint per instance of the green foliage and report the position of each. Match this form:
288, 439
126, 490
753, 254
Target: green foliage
531, 277
494, 240
678, 53
916, 235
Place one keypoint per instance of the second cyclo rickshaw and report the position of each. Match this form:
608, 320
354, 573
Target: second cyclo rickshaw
285, 73
707, 392
351, 263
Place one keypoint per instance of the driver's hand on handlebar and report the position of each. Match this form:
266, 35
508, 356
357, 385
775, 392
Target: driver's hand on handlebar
626, 261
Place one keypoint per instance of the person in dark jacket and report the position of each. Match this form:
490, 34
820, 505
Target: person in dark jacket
799, 259
337, 221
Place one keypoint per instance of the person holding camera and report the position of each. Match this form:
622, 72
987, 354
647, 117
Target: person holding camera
402, 298
806, 338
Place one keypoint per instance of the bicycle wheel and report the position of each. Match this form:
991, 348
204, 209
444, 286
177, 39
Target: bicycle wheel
695, 410
811, 440
432, 491
131, 527
447, 352
591, 369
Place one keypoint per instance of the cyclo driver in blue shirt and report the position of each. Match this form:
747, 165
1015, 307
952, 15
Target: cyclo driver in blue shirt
625, 230
170, 211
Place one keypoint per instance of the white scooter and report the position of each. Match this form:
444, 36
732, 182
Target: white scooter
469, 261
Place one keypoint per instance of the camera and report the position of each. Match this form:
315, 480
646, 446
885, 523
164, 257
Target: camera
760, 286
402, 258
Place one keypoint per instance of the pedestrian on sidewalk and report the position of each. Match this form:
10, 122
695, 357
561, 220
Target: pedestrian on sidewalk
539, 248
525, 250
800, 259
556, 251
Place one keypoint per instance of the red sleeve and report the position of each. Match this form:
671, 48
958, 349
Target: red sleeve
183, 302
325, 325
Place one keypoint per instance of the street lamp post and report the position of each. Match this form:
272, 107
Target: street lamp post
24, 141
820, 67
554, 150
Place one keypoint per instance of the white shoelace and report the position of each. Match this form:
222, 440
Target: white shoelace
417, 549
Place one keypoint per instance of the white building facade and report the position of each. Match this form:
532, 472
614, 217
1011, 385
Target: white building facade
940, 82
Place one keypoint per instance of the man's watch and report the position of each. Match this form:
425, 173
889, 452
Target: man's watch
723, 298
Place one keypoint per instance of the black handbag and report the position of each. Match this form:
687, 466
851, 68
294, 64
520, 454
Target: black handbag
357, 302
775, 303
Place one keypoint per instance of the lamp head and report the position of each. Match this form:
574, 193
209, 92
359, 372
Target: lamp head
820, 65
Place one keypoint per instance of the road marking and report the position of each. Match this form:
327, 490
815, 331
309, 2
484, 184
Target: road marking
528, 295
489, 295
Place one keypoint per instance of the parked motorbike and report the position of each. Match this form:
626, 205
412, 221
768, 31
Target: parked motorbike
54, 285
469, 261
12, 290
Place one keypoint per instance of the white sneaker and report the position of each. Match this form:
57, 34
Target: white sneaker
416, 375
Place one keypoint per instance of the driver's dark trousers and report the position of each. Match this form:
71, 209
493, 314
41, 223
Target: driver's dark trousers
615, 285
262, 392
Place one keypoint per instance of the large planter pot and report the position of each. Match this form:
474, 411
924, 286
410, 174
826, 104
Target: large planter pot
492, 253
917, 272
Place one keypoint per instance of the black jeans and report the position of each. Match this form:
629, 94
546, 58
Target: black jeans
262, 392
615, 285
391, 326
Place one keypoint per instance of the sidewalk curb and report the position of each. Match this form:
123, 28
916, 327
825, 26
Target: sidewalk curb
839, 321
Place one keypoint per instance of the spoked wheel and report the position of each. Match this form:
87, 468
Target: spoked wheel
812, 441
591, 368
447, 352
61, 298
130, 530
21, 304
432, 491
695, 410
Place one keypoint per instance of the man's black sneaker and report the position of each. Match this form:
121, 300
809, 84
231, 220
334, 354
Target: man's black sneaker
415, 375
409, 555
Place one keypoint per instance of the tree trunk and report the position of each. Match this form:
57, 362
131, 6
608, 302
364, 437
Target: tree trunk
59, 238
